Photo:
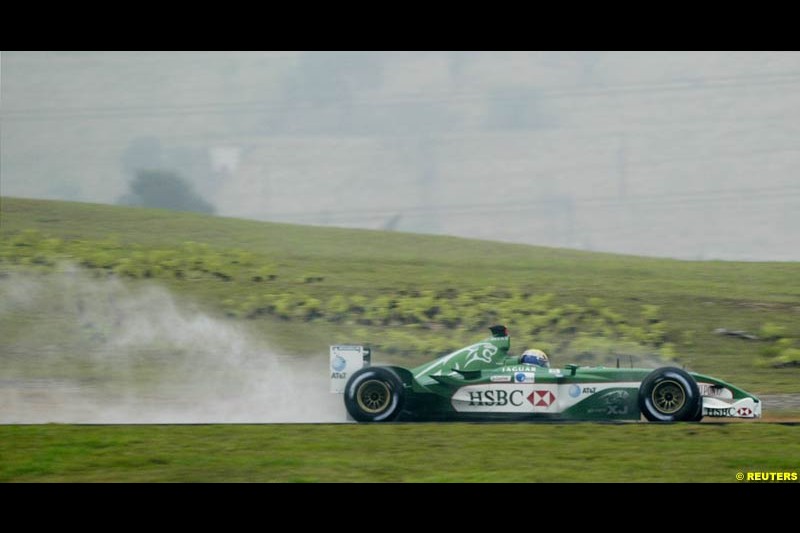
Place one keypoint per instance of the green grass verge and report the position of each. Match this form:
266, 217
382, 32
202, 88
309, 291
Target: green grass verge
708, 453
415, 297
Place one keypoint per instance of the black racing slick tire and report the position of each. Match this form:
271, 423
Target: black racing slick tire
670, 395
698, 416
374, 394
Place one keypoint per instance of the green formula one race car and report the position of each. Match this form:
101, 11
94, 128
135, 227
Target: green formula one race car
484, 382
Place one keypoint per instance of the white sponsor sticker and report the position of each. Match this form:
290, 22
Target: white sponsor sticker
524, 377
492, 399
344, 360
510, 398
500, 379
744, 408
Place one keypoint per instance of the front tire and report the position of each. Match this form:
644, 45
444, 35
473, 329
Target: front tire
374, 394
698, 416
670, 395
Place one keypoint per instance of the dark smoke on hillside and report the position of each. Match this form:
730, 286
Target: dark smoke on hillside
87, 350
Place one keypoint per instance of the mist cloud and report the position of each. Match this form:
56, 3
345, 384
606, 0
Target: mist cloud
89, 350
690, 155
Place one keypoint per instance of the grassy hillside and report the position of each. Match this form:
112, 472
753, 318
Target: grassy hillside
414, 297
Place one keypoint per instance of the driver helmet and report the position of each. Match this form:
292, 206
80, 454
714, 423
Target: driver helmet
535, 357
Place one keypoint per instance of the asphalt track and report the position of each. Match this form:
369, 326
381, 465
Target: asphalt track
782, 402
29, 402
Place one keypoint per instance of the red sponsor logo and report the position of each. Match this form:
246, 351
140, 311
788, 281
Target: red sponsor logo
541, 398
744, 411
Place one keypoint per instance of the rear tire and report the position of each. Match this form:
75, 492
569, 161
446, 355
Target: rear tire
670, 395
374, 394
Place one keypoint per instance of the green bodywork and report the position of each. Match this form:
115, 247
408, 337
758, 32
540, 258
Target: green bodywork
484, 382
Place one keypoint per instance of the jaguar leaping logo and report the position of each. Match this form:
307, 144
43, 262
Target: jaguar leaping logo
480, 352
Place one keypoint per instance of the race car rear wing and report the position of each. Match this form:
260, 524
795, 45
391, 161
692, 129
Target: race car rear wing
344, 360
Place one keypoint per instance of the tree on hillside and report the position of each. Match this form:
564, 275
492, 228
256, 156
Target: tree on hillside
165, 190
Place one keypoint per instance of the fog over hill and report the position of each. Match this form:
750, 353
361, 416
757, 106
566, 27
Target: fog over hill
679, 154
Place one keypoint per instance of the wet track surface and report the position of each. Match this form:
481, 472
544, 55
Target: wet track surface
33, 401
781, 402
